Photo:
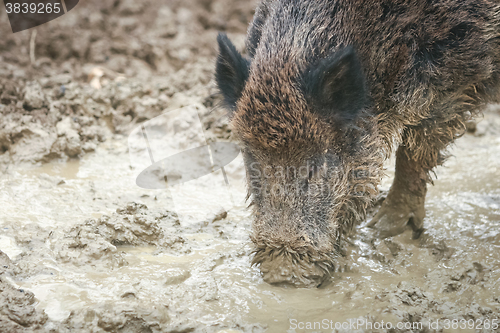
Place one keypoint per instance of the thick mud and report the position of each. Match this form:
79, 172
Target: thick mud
84, 249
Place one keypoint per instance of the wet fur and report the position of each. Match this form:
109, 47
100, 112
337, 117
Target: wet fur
429, 66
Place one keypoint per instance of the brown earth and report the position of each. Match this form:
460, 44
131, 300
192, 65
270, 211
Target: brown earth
82, 249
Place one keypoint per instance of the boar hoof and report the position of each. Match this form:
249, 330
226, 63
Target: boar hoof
399, 211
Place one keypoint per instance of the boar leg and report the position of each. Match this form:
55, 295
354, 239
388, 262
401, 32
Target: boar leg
421, 150
405, 202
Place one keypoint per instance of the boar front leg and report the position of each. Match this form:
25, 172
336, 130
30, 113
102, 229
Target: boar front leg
404, 204
422, 149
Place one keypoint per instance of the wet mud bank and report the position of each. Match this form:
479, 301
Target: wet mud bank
84, 249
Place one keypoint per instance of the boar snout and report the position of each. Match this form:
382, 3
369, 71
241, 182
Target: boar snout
300, 264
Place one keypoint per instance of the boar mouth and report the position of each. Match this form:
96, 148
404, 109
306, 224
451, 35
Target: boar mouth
305, 267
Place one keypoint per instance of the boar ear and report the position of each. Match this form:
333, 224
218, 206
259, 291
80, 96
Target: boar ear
336, 85
231, 71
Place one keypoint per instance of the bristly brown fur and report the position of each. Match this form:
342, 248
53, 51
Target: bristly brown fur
427, 68
275, 89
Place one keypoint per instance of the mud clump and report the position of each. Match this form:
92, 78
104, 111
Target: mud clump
104, 69
18, 313
33, 131
472, 274
17, 306
96, 240
83, 245
413, 305
132, 225
438, 247
112, 318
4, 262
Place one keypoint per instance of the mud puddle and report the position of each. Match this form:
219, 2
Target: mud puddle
100, 254
83, 249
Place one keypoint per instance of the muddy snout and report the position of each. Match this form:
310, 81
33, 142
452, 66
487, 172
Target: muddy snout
285, 266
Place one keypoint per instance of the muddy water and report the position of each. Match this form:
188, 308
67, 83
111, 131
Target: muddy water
74, 243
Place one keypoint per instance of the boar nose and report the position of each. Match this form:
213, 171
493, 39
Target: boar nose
284, 272
291, 268
294, 275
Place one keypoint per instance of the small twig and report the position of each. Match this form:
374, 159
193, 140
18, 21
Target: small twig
32, 47
64, 6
